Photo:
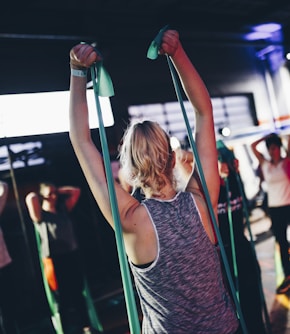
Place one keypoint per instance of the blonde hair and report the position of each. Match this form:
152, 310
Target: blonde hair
146, 156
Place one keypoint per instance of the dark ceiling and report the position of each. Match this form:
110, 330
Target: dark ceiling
36, 35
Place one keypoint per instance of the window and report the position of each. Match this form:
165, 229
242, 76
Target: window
236, 112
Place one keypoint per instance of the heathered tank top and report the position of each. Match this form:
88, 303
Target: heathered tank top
182, 291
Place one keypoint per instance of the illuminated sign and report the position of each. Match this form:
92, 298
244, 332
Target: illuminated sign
45, 113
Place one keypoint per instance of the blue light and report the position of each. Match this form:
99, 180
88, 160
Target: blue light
268, 27
267, 31
257, 35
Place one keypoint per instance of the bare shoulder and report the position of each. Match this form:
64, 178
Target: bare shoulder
137, 218
140, 236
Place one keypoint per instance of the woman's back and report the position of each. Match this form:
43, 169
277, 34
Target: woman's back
182, 291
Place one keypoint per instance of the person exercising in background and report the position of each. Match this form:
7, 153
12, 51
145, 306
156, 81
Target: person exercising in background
49, 210
276, 173
240, 255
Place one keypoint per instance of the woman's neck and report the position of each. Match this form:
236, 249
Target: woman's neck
167, 192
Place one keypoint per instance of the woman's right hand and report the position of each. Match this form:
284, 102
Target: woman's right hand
83, 56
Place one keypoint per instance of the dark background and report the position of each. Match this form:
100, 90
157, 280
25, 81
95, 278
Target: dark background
35, 39
36, 36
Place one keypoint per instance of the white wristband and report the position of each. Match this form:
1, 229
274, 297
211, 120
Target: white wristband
79, 73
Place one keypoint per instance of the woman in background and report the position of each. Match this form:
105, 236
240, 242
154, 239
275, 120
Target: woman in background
276, 173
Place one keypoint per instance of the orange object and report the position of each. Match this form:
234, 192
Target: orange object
49, 273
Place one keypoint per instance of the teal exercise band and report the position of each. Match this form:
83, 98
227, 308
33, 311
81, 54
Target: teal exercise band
152, 54
103, 87
93, 316
232, 237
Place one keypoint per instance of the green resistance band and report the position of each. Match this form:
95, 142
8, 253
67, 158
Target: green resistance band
232, 236
93, 316
103, 86
49, 295
153, 54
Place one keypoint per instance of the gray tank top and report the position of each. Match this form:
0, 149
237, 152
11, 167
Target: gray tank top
183, 291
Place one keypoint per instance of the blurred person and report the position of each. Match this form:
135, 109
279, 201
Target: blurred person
276, 173
168, 237
239, 251
49, 210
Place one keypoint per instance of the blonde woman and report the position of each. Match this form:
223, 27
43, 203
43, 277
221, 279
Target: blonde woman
168, 237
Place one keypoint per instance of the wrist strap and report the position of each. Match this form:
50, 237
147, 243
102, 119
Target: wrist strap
79, 73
